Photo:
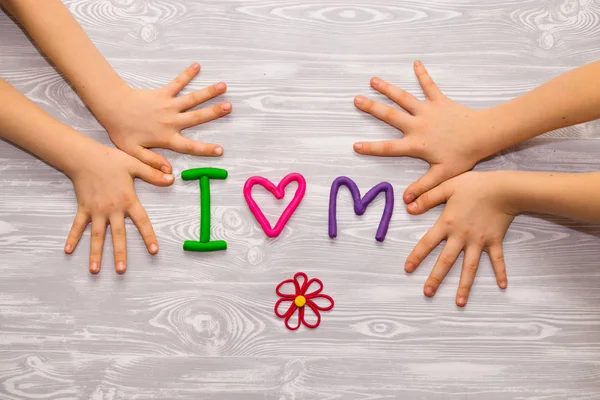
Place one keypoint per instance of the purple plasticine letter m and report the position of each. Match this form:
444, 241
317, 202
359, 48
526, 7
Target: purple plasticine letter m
360, 205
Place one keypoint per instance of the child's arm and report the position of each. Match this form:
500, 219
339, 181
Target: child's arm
479, 209
102, 176
135, 119
453, 137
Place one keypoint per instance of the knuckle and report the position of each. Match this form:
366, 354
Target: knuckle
97, 233
387, 147
189, 147
471, 267
497, 258
212, 90
434, 281
389, 114
450, 222
143, 220
118, 231
446, 260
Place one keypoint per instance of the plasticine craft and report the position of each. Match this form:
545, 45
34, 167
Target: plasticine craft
278, 191
300, 299
360, 205
204, 175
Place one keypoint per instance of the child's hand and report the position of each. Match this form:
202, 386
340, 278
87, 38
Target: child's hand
437, 130
476, 218
141, 119
105, 194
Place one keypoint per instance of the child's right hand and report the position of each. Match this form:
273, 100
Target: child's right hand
438, 130
105, 195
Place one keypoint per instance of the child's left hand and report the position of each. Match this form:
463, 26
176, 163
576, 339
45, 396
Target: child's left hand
141, 119
475, 219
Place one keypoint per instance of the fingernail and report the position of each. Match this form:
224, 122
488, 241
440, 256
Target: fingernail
195, 66
461, 301
226, 106
429, 291
413, 206
218, 151
376, 81
168, 178
418, 63
358, 146
165, 169
359, 100
220, 86
94, 267
409, 267
68, 247
153, 248
410, 198
121, 267
503, 284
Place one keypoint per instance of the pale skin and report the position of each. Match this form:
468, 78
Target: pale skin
135, 119
481, 205
102, 176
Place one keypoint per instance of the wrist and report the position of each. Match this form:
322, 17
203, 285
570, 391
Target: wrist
487, 132
107, 103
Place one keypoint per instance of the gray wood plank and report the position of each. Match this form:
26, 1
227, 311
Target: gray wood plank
181, 325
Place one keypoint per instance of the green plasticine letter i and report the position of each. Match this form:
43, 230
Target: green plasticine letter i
204, 175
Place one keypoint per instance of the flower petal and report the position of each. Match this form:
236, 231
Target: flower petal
280, 289
316, 291
301, 284
297, 320
311, 318
319, 300
289, 306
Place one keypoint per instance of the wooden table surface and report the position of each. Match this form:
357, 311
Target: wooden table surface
185, 325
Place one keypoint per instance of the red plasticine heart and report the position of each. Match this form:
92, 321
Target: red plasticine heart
278, 191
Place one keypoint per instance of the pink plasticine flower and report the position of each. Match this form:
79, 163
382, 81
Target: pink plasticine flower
300, 299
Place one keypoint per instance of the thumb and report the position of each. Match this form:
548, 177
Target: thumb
151, 158
386, 148
425, 202
152, 175
436, 175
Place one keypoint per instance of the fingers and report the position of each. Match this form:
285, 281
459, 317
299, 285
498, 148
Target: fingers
497, 258
97, 243
79, 223
182, 144
467, 275
436, 175
400, 96
140, 218
436, 196
181, 81
431, 90
391, 115
386, 148
153, 159
445, 261
119, 239
428, 242
193, 99
197, 117
152, 175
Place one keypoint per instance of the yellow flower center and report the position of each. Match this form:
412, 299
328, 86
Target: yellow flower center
300, 301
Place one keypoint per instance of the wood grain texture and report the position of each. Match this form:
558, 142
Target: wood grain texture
201, 326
